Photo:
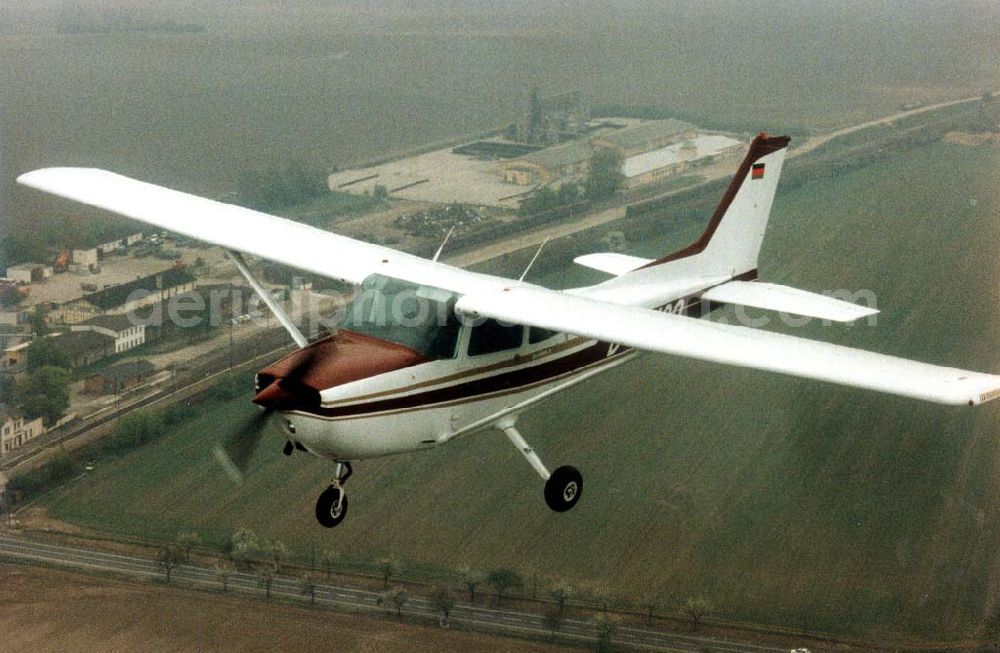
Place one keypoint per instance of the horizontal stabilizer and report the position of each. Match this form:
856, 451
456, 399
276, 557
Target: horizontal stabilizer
616, 264
785, 299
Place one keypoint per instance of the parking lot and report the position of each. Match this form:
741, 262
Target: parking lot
439, 176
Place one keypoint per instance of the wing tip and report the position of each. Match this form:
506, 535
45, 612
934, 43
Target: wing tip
38, 178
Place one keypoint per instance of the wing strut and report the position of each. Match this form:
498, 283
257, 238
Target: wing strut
266, 297
510, 430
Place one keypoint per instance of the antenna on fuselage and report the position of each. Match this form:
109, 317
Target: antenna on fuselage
443, 243
533, 258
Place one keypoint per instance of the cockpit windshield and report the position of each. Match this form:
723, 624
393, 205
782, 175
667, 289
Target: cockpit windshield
419, 317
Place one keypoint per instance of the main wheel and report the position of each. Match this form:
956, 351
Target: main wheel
563, 489
331, 507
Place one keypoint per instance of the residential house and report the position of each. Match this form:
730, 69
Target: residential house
15, 431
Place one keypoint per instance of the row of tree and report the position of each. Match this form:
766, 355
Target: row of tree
266, 559
604, 178
44, 389
280, 186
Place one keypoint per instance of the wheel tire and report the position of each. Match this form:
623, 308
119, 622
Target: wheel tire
328, 512
563, 489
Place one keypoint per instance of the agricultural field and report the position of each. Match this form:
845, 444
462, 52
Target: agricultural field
783, 502
74, 612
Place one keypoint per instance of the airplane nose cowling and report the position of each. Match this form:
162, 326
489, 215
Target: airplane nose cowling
297, 379
277, 397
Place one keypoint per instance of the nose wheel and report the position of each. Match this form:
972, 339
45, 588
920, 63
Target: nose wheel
331, 507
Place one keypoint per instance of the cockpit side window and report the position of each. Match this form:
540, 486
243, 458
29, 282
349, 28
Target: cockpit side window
491, 337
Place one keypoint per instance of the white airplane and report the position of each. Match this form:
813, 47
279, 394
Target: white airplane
463, 352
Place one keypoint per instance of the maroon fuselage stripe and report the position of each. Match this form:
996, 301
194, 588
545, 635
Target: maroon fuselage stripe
471, 389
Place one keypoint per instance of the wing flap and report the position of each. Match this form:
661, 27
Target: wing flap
651, 330
785, 299
611, 262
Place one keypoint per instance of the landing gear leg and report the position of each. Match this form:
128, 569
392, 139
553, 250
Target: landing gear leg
563, 487
331, 507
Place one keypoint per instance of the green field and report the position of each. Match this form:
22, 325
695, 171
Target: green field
784, 502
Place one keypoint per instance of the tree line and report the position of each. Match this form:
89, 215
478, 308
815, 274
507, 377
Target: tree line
265, 560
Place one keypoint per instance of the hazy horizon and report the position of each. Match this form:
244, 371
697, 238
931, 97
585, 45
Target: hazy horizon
334, 85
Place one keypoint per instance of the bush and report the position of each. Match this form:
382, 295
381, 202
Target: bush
59, 469
134, 430
176, 413
230, 386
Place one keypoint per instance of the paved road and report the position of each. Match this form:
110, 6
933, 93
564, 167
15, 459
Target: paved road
357, 600
814, 142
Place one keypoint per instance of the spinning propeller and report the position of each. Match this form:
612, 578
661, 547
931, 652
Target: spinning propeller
284, 393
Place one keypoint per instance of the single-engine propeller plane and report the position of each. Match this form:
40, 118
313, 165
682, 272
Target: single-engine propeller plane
430, 352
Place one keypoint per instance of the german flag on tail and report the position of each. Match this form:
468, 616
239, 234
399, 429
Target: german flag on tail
757, 171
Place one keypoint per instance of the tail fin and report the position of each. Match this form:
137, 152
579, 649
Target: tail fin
728, 247
732, 239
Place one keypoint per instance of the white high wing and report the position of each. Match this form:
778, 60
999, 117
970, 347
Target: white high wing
378, 387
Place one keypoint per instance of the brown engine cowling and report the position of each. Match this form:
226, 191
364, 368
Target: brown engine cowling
295, 381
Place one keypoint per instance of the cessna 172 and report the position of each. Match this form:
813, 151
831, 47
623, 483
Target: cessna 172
462, 352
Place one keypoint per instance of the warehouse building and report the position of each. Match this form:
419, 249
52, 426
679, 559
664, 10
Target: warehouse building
677, 159
566, 160
29, 272
126, 334
572, 159
119, 378
645, 137
128, 297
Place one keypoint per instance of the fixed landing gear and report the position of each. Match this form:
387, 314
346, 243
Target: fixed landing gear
563, 487
331, 507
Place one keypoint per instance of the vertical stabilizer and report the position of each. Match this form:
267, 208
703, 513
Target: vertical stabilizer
728, 247
732, 239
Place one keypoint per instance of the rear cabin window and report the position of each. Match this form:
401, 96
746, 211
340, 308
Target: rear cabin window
491, 337
538, 334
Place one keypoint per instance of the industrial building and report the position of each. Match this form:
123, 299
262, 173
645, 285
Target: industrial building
645, 136
126, 334
650, 151
127, 297
29, 272
119, 378
568, 159
680, 158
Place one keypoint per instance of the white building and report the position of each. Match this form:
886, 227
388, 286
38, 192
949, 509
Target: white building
114, 245
677, 159
29, 272
15, 431
85, 257
126, 334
